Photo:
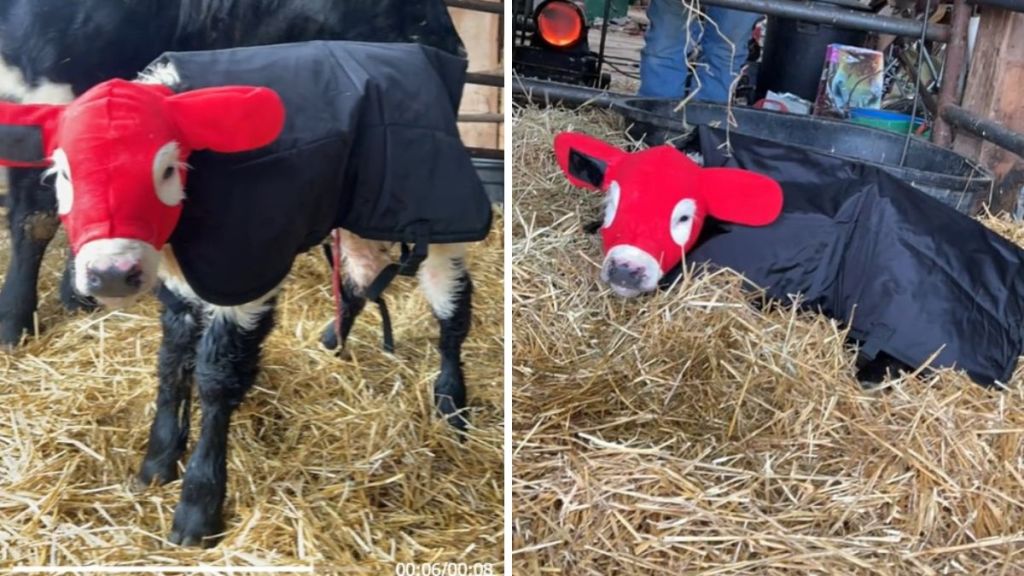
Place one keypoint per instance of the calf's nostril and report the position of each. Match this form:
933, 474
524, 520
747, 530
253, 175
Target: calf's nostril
94, 280
134, 277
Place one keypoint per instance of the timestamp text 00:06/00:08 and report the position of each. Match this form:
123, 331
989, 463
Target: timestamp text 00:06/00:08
443, 569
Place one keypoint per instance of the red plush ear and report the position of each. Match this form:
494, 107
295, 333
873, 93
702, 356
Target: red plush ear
28, 134
228, 119
741, 196
585, 159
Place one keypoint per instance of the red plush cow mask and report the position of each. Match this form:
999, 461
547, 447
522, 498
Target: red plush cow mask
118, 154
656, 202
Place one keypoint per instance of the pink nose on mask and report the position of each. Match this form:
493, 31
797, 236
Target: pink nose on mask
631, 270
117, 281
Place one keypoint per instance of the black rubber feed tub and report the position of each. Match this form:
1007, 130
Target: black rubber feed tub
935, 171
492, 174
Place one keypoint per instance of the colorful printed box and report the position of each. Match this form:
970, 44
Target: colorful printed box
852, 78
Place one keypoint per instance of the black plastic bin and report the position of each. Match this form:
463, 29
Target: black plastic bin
794, 55
492, 174
934, 170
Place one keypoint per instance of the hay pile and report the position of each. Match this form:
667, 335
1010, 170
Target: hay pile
691, 433
334, 463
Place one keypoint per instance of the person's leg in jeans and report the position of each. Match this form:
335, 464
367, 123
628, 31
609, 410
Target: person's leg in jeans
720, 62
663, 58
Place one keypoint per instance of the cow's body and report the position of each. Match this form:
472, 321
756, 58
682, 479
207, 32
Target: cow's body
375, 163
917, 282
52, 50
140, 169
367, 160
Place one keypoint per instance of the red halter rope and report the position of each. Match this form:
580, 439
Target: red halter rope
336, 282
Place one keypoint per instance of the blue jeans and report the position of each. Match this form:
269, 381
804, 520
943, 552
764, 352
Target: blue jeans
663, 71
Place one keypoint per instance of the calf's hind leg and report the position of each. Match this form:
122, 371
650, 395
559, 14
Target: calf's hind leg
361, 261
226, 367
168, 435
449, 289
352, 304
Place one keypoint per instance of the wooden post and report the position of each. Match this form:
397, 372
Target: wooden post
956, 54
995, 90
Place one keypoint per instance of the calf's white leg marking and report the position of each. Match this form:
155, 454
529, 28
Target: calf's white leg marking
362, 260
440, 275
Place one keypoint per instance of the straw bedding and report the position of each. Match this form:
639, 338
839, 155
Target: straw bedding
335, 463
692, 433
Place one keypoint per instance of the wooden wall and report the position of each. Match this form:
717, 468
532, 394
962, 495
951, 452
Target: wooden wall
995, 90
481, 33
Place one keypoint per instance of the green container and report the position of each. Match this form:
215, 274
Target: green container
884, 120
595, 9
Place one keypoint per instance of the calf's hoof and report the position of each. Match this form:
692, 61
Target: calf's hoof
12, 328
450, 399
196, 526
156, 471
329, 337
329, 340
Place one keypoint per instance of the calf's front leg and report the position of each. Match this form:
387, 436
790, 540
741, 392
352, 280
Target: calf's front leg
168, 435
32, 217
226, 367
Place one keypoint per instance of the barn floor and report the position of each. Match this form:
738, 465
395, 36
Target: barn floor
692, 433
623, 44
334, 463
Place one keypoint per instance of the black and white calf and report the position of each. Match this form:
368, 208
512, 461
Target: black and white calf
209, 175
54, 50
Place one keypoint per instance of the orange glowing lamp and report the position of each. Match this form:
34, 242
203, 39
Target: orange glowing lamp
560, 23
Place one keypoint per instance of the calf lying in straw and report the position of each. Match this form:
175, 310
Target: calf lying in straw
305, 139
917, 283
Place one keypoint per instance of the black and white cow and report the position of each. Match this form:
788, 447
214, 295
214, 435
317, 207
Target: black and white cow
208, 176
53, 50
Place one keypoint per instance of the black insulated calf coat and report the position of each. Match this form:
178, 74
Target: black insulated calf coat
370, 144
910, 275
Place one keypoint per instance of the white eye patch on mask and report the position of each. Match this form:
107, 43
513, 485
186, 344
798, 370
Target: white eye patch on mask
611, 204
167, 175
62, 182
681, 224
